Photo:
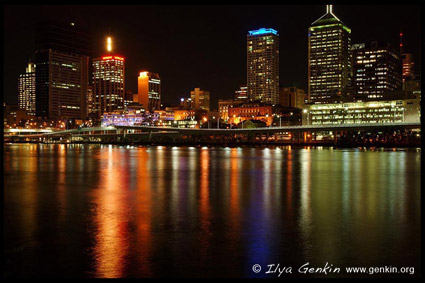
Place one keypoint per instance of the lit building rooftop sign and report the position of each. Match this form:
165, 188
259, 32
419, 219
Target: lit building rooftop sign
113, 57
262, 31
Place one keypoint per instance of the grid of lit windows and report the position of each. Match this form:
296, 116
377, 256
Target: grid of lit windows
370, 112
154, 91
108, 84
26, 88
376, 69
68, 85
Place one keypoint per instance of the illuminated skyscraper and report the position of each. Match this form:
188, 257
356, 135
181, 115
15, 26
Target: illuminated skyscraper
263, 65
108, 82
149, 91
376, 69
329, 58
26, 90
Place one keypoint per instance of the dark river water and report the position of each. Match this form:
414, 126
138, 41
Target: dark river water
121, 211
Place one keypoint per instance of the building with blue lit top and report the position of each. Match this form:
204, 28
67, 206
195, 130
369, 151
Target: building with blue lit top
263, 65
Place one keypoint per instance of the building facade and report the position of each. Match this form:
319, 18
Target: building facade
14, 117
251, 111
128, 98
149, 91
292, 97
242, 94
376, 70
26, 89
223, 107
408, 72
89, 100
108, 84
329, 58
366, 112
263, 65
61, 84
200, 99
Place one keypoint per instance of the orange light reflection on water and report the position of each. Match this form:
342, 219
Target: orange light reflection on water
111, 215
143, 206
204, 205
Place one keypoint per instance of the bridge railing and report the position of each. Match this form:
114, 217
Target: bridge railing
296, 128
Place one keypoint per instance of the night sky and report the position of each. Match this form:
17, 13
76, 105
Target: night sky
201, 46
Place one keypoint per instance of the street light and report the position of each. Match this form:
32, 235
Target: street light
240, 121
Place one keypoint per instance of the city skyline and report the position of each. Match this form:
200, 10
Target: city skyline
220, 79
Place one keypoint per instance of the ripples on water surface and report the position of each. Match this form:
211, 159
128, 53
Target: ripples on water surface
121, 211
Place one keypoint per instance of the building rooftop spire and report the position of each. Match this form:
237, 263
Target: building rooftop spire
328, 17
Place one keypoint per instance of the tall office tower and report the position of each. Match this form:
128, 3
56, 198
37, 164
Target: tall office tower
61, 70
108, 84
329, 58
242, 93
376, 68
61, 84
149, 91
263, 65
200, 99
26, 89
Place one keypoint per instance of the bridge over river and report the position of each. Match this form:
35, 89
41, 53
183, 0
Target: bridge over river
306, 134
